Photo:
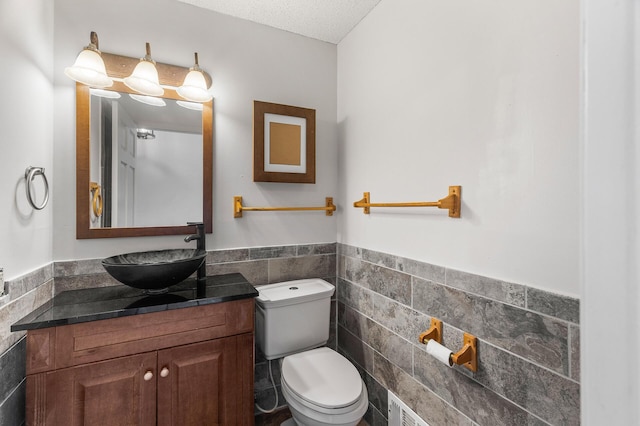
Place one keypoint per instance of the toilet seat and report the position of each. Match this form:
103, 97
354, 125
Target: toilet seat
317, 415
323, 379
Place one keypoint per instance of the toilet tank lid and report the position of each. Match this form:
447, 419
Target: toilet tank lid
291, 292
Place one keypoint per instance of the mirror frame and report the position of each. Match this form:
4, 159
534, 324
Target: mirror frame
83, 199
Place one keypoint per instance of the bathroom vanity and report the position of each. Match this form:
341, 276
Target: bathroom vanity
112, 355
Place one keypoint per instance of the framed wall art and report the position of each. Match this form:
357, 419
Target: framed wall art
284, 143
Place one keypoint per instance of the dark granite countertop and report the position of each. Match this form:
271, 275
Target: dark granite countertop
92, 304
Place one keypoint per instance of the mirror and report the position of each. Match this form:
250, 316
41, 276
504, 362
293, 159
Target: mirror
141, 170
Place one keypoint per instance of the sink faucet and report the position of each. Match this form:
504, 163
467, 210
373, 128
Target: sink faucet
199, 236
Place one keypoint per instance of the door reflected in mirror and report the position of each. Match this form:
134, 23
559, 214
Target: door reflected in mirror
146, 161
141, 169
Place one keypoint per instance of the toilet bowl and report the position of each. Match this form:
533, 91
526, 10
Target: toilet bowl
320, 386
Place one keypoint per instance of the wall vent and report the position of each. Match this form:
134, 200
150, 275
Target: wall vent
401, 415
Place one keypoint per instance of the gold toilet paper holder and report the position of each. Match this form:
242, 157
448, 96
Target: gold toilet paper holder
434, 332
466, 357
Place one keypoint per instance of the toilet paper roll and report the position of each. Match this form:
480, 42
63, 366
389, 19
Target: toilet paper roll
439, 352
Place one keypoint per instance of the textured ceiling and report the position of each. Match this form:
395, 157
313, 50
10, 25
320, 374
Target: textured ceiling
326, 20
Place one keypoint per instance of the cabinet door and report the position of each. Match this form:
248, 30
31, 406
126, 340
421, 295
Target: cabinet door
117, 392
198, 384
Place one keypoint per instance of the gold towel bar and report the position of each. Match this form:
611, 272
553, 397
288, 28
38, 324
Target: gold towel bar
451, 202
238, 208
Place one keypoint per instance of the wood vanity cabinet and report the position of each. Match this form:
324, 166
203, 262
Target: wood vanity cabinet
190, 366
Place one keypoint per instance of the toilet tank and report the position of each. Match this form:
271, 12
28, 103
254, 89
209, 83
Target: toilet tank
292, 316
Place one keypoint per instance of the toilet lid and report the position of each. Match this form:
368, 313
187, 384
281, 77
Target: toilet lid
322, 377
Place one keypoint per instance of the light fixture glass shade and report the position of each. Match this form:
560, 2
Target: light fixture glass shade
194, 87
149, 100
89, 67
144, 78
196, 106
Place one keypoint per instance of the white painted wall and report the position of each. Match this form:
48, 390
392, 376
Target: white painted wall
26, 127
610, 221
247, 61
479, 94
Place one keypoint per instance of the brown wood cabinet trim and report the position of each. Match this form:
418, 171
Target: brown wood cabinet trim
41, 350
80, 343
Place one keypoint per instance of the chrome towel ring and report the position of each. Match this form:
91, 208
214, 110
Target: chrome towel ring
29, 175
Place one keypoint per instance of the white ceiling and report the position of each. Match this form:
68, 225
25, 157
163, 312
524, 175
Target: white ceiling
326, 20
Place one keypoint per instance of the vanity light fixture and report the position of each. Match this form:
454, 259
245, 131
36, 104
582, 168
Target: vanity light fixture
196, 106
89, 67
144, 78
149, 100
104, 93
194, 87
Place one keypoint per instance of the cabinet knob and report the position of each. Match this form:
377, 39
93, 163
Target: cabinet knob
148, 376
164, 372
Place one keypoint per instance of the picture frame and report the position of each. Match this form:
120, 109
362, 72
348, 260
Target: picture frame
284, 143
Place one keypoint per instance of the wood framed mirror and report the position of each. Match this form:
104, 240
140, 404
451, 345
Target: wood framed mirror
150, 175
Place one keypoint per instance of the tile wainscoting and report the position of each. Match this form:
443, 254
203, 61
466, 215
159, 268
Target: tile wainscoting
528, 342
263, 265
529, 369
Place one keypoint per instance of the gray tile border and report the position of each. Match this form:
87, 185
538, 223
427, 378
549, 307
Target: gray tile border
20, 286
349, 251
422, 270
78, 267
563, 307
381, 259
79, 282
257, 253
314, 249
232, 255
501, 291
295, 268
255, 271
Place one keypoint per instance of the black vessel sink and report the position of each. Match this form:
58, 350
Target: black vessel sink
154, 271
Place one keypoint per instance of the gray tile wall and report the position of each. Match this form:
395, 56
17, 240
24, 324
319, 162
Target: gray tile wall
528, 342
20, 296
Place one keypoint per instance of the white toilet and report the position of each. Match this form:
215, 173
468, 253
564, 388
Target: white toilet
321, 386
